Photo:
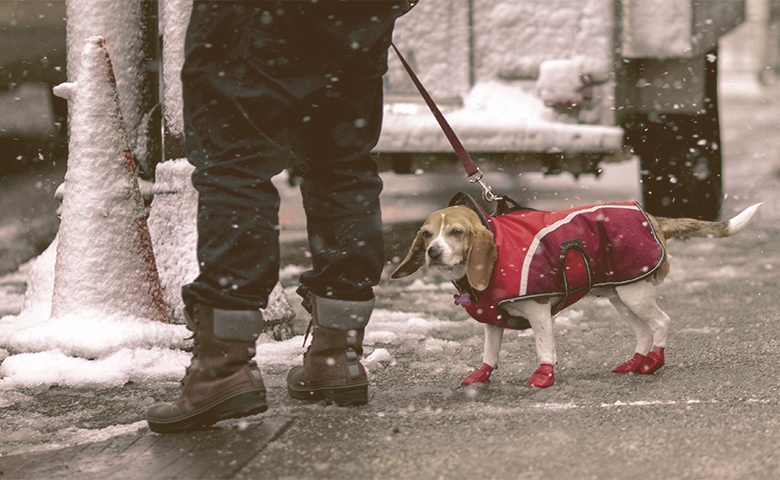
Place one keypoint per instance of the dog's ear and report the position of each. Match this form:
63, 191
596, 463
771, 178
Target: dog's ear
415, 259
481, 260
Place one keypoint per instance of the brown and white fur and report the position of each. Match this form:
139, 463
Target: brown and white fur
455, 241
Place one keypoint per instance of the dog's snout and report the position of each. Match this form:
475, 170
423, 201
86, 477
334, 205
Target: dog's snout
435, 251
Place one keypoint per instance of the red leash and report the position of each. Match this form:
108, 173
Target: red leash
464, 157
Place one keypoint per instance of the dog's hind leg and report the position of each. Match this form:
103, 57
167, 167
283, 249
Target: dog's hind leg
493, 337
644, 336
640, 298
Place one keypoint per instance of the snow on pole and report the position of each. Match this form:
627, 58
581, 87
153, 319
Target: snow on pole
105, 260
175, 18
130, 34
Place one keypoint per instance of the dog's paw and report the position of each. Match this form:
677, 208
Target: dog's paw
632, 365
653, 361
480, 375
543, 377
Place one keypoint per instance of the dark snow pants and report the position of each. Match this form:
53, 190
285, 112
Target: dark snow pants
269, 85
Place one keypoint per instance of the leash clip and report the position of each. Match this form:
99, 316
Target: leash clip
487, 190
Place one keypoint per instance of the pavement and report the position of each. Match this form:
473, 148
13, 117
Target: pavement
711, 412
182, 456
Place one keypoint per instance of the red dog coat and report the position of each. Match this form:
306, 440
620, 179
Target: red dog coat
564, 253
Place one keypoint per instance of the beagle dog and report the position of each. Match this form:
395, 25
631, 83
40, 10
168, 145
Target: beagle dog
457, 241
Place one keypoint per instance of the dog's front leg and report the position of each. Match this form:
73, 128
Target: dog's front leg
493, 338
539, 316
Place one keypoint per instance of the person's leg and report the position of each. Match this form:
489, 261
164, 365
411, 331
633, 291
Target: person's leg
231, 112
340, 192
256, 81
341, 199
233, 138
264, 78
341, 189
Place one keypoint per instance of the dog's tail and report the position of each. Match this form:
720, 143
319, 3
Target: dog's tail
688, 227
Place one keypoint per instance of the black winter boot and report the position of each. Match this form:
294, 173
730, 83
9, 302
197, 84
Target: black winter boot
222, 380
331, 369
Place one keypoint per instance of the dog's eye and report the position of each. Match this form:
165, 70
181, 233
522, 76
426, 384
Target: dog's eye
425, 234
456, 232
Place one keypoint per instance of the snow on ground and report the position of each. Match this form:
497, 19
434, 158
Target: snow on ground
87, 352
139, 362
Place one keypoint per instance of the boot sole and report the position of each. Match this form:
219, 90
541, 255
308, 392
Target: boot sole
241, 404
343, 396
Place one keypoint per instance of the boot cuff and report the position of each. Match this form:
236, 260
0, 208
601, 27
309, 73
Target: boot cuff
238, 325
343, 314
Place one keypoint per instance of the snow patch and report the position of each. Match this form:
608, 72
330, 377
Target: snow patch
435, 345
90, 336
127, 365
379, 356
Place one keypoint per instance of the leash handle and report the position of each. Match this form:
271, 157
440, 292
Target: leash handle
464, 157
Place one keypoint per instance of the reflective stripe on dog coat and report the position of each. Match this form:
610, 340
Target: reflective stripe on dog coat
563, 254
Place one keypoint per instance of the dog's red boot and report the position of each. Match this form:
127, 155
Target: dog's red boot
632, 365
480, 375
653, 361
543, 377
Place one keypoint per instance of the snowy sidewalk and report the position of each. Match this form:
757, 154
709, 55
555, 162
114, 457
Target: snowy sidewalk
419, 424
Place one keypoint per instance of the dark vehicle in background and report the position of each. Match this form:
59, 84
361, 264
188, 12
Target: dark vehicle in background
562, 86
32, 60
